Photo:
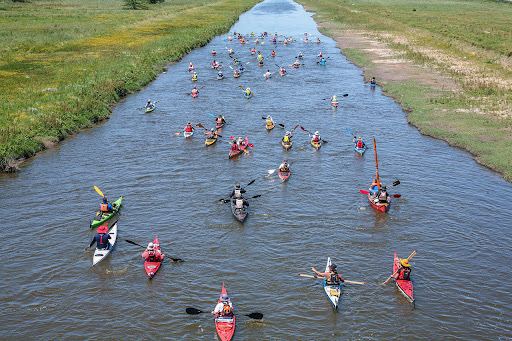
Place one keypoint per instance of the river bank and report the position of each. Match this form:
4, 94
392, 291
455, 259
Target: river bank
64, 65
448, 64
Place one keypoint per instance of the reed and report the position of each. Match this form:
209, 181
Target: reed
65, 62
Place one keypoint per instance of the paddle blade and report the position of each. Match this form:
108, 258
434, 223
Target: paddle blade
251, 145
271, 171
177, 133
193, 311
250, 183
257, 316
301, 127
280, 124
98, 190
363, 191
396, 183
176, 259
345, 95
256, 196
397, 195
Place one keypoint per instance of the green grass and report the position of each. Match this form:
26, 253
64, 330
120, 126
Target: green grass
469, 41
64, 62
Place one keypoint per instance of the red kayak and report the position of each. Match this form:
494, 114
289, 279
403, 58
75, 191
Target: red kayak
405, 287
380, 206
241, 148
152, 267
284, 175
225, 325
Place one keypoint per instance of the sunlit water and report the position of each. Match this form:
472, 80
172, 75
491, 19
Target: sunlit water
453, 211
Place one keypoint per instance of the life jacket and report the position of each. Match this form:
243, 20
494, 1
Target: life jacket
404, 274
239, 203
226, 310
333, 279
383, 196
359, 144
219, 120
152, 257
286, 139
248, 93
273, 54
188, 129
104, 207
194, 91
100, 243
269, 122
234, 146
316, 138
238, 193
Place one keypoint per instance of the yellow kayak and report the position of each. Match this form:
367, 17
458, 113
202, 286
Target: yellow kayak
270, 126
317, 145
210, 141
286, 145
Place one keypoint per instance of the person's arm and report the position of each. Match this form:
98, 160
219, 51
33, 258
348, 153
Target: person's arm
341, 278
93, 241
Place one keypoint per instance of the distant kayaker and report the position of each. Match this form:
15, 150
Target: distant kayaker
383, 195
242, 69
334, 99
273, 54
296, 64
322, 61
333, 277
220, 120
152, 254
240, 142
188, 128
404, 271
230, 51
268, 74
260, 57
194, 77
212, 134
237, 72
301, 55
224, 307
374, 188
270, 121
287, 137
284, 167
101, 238
190, 67
240, 203
237, 192
253, 50
248, 92
215, 64
359, 143
148, 104
220, 75
106, 206
282, 71
316, 136
317, 40
214, 53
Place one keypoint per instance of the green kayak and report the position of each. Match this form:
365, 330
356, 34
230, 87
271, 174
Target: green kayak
98, 220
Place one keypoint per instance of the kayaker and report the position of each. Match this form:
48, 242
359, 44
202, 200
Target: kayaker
194, 77
234, 147
240, 203
152, 254
317, 40
333, 277
237, 72
190, 66
315, 137
237, 192
253, 50
224, 307
323, 61
214, 53
236, 61
320, 54
273, 54
220, 75
101, 238
268, 74
282, 71
214, 64
148, 104
287, 137
194, 91
284, 167
257, 41
220, 120
230, 51
260, 57
404, 271
374, 188
189, 128
300, 56
270, 121
106, 206
212, 134
248, 92
383, 195
296, 64
242, 69
229, 38
359, 143
240, 142
334, 99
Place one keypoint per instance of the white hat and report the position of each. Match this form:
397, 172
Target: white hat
151, 246
317, 133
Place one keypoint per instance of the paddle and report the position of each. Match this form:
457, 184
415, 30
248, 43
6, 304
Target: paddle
98, 190
320, 277
393, 195
200, 126
310, 133
408, 259
194, 311
134, 243
325, 99
253, 197
250, 183
196, 89
212, 115
350, 133
279, 124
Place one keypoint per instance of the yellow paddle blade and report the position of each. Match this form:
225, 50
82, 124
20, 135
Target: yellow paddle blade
98, 190
177, 133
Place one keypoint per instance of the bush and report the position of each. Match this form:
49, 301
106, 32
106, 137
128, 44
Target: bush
134, 4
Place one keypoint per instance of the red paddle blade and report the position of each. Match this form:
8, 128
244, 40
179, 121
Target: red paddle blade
251, 145
301, 127
363, 191
397, 195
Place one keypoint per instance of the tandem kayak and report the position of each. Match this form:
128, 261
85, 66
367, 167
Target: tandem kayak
333, 291
150, 108
239, 213
99, 220
360, 150
152, 267
269, 127
233, 153
101, 254
405, 287
209, 141
225, 325
284, 175
286, 145
317, 145
188, 133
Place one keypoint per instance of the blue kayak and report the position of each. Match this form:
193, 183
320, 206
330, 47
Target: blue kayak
360, 150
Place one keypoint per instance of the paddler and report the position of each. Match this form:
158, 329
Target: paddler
220, 75
253, 50
242, 69
214, 53
284, 167
316, 136
296, 64
259, 57
333, 277
237, 192
383, 195
194, 77
229, 38
287, 137
334, 99
270, 121
359, 143
234, 146
404, 271
236, 61
230, 51
101, 238
106, 206
152, 254
224, 307
220, 120
273, 54
268, 74
317, 40
190, 66
189, 128
194, 91
215, 64
236, 73
148, 104
212, 134
248, 92
282, 71
301, 55
240, 142
322, 61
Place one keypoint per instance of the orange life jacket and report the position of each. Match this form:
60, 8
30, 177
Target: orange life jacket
104, 207
219, 120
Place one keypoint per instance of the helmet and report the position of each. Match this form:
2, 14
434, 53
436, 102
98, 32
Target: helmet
248, 89
237, 186
151, 246
220, 116
317, 133
333, 96
102, 229
269, 117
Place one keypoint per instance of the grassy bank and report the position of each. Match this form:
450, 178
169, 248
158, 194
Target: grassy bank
64, 62
468, 42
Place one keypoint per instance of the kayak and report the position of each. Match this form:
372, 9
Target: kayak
405, 287
360, 150
286, 145
333, 292
239, 213
241, 148
284, 175
99, 220
190, 68
219, 126
150, 108
380, 206
247, 96
260, 63
270, 126
296, 66
268, 76
101, 254
225, 325
317, 145
194, 95
334, 104
209, 141
220, 77
152, 267
236, 75
188, 133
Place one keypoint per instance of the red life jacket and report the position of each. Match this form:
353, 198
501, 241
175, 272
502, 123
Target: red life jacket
404, 274
316, 139
234, 147
104, 207
188, 129
359, 144
152, 257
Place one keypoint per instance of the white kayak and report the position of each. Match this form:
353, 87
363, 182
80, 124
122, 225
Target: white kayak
333, 292
101, 254
188, 133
